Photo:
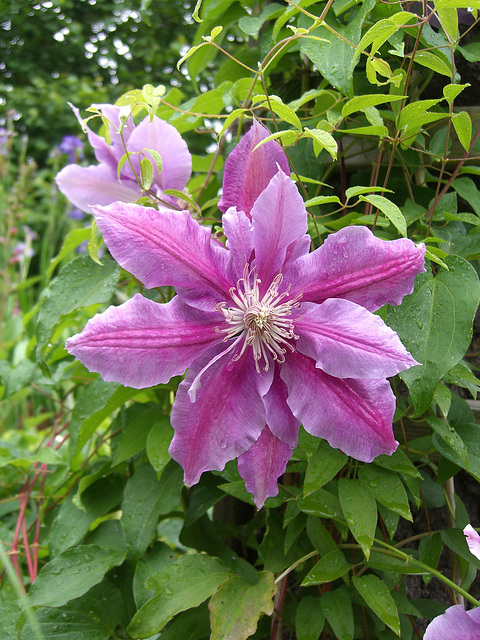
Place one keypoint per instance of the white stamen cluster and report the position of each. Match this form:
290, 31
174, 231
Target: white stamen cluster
260, 322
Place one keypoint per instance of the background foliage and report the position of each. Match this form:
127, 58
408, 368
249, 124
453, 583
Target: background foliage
99, 537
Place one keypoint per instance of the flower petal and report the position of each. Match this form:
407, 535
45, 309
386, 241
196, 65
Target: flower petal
355, 265
352, 415
283, 424
279, 219
473, 540
248, 172
226, 418
262, 465
167, 247
455, 623
94, 185
238, 230
109, 154
347, 341
165, 139
142, 343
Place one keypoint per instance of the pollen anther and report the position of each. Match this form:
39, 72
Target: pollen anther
261, 321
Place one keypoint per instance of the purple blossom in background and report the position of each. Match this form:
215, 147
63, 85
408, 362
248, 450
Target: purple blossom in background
4, 135
99, 185
73, 147
21, 252
273, 336
455, 624
76, 214
473, 540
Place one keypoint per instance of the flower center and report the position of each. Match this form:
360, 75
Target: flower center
260, 322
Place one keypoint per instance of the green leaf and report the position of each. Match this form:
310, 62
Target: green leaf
463, 126
139, 421
159, 556
95, 402
158, 441
145, 499
189, 53
379, 131
337, 608
72, 523
327, 569
451, 91
364, 102
80, 283
449, 21
360, 509
181, 585
251, 25
334, 58
381, 562
322, 200
237, 605
325, 463
93, 616
443, 397
72, 240
277, 105
471, 52
447, 433
309, 619
73, 573
146, 173
381, 31
287, 137
93, 244
435, 325
122, 162
470, 435
324, 140
389, 210
429, 552
193, 624
377, 596
457, 4
182, 197
434, 62
413, 113
351, 192
321, 503
462, 376
387, 488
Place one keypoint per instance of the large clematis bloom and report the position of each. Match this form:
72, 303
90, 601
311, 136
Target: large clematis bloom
455, 623
99, 184
273, 336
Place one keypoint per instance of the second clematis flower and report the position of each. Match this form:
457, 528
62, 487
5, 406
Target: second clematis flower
273, 336
99, 184
455, 624
473, 540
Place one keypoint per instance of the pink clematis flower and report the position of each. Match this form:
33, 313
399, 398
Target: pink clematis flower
273, 336
455, 623
473, 540
99, 185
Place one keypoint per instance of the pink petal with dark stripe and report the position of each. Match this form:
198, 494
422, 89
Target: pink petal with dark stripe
167, 247
262, 465
225, 419
355, 265
347, 341
248, 172
352, 415
142, 343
